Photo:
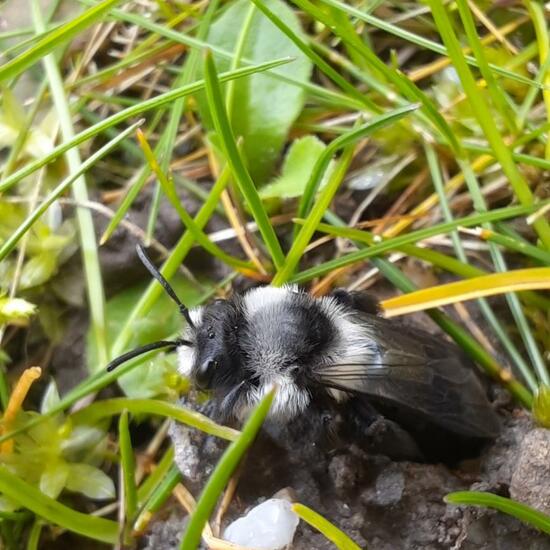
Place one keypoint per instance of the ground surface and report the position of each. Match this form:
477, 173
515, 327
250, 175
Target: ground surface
384, 504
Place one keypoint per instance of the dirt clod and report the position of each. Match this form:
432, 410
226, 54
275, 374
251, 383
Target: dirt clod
531, 478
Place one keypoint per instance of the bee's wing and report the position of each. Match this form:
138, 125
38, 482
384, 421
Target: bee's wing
418, 372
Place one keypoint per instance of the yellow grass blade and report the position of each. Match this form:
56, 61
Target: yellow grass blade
477, 287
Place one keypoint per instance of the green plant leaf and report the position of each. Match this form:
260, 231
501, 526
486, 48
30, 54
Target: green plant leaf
90, 481
54, 478
264, 108
110, 407
15, 310
50, 399
81, 440
38, 270
299, 163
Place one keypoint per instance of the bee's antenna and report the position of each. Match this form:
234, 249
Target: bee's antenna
144, 349
146, 261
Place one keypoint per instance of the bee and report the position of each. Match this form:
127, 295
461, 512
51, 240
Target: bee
335, 353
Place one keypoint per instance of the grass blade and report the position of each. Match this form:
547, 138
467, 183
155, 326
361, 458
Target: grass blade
317, 59
484, 306
125, 114
128, 465
110, 407
326, 196
34, 500
450, 293
508, 506
396, 242
88, 243
223, 471
326, 156
54, 38
182, 248
421, 41
484, 117
16, 236
167, 186
233, 157
159, 496
330, 531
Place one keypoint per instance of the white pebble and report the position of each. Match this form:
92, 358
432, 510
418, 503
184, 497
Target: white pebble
268, 526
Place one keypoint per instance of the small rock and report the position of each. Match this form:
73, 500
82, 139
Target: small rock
268, 526
531, 478
343, 472
388, 488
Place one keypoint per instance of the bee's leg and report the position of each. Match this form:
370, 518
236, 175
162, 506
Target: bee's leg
378, 434
360, 300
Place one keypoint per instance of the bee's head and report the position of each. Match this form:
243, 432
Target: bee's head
212, 362
245, 345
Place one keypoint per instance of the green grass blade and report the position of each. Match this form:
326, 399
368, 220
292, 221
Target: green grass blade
154, 479
110, 407
16, 236
511, 243
167, 186
125, 204
421, 41
325, 527
128, 465
484, 117
540, 24
326, 156
508, 506
396, 242
234, 159
182, 248
326, 196
340, 81
54, 39
495, 91
402, 83
128, 113
328, 96
486, 310
157, 499
88, 243
237, 57
34, 500
223, 471
34, 535
165, 147
306, 232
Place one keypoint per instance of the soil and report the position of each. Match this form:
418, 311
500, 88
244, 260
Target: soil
382, 504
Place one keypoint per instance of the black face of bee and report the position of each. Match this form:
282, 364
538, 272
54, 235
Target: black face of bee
217, 357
